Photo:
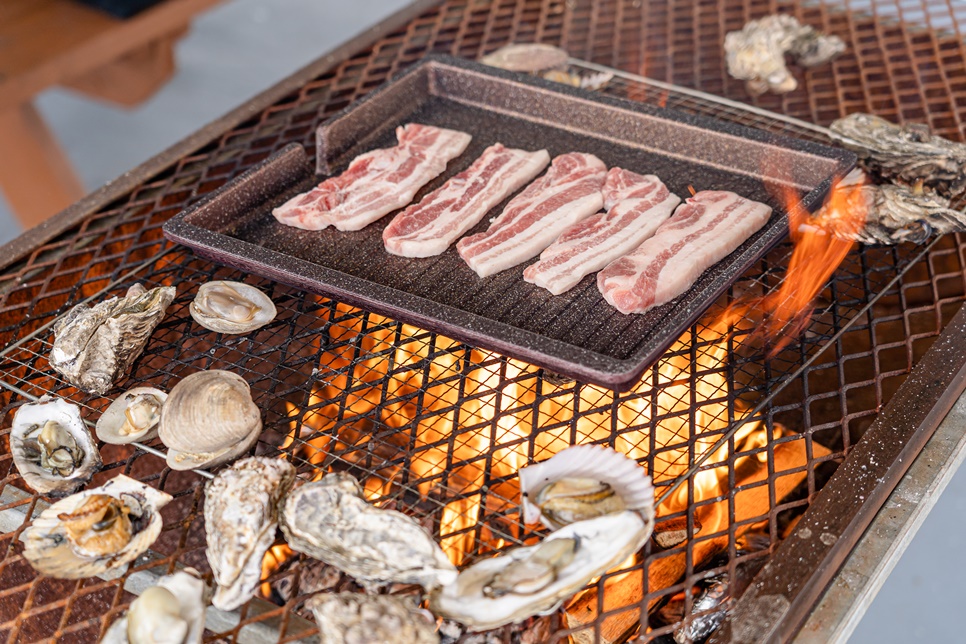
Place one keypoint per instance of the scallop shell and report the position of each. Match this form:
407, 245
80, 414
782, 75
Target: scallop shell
173, 610
125, 408
231, 307
51, 549
208, 419
581, 464
331, 521
352, 617
536, 579
241, 515
30, 420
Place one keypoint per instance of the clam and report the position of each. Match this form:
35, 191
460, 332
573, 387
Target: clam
536, 579
170, 612
52, 447
95, 347
331, 521
351, 617
241, 515
231, 307
583, 482
133, 416
90, 532
208, 419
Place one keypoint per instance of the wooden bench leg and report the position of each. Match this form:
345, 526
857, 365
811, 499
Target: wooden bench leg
35, 175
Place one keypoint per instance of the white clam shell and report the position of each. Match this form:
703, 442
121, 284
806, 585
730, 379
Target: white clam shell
111, 421
49, 551
68, 416
160, 621
217, 302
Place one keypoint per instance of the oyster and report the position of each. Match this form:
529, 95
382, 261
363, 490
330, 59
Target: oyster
208, 419
536, 579
351, 617
241, 514
583, 482
231, 307
527, 57
172, 612
331, 521
95, 530
133, 416
52, 447
94, 347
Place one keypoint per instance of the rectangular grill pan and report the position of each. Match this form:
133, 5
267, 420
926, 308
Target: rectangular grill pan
576, 334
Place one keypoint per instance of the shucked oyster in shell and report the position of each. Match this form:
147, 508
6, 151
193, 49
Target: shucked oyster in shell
95, 530
231, 307
172, 611
241, 515
52, 447
94, 347
331, 521
352, 617
133, 416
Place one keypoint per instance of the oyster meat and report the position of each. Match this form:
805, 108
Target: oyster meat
172, 612
330, 520
389, 619
533, 580
95, 530
231, 307
94, 347
133, 416
208, 419
241, 515
583, 482
52, 447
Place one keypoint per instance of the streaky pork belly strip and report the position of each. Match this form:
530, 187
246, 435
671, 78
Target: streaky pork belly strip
377, 182
636, 206
429, 227
704, 230
569, 192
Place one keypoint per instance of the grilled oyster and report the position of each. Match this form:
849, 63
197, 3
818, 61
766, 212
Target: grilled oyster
208, 419
331, 521
351, 617
170, 612
231, 307
52, 447
95, 530
94, 347
536, 579
527, 57
241, 514
133, 416
583, 482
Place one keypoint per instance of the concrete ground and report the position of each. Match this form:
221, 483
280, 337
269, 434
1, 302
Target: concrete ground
240, 48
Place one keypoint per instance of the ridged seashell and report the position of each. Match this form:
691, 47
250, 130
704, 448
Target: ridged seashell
172, 611
95, 530
52, 447
352, 617
132, 417
527, 57
536, 579
231, 307
331, 521
241, 515
94, 347
208, 419
583, 482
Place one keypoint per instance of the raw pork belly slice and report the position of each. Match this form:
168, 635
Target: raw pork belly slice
377, 182
636, 206
429, 227
704, 230
569, 192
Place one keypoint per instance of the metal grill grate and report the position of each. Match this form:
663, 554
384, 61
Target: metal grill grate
438, 429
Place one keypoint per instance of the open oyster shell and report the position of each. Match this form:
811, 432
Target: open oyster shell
208, 419
172, 611
231, 307
133, 416
351, 617
94, 347
331, 521
241, 515
52, 447
534, 580
95, 530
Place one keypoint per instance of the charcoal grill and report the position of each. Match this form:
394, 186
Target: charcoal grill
437, 428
